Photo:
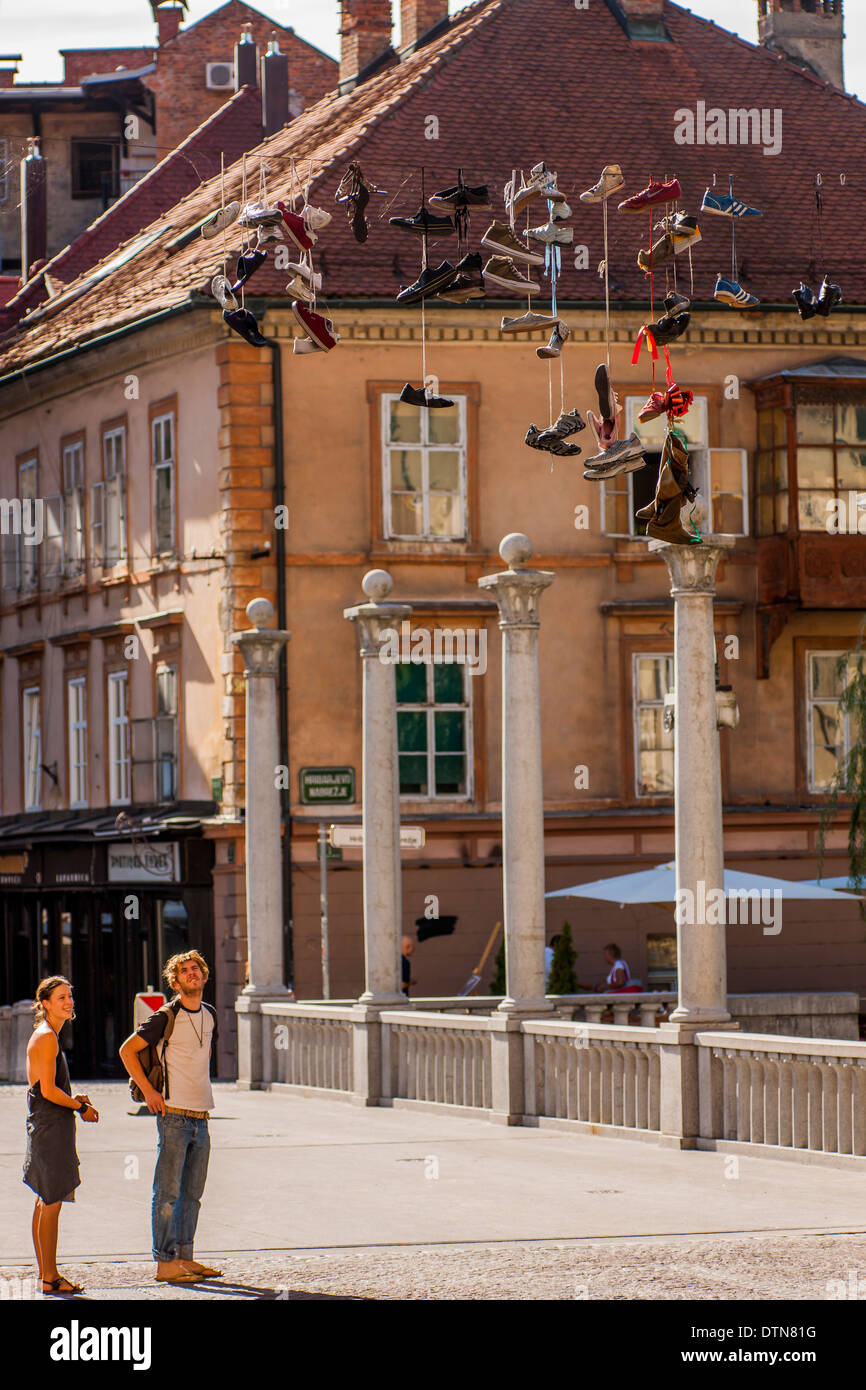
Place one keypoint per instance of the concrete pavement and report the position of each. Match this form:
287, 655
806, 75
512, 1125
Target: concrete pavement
310, 1197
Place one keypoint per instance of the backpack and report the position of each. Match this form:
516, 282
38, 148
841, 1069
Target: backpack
153, 1058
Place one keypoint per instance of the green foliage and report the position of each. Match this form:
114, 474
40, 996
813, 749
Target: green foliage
497, 983
563, 977
849, 782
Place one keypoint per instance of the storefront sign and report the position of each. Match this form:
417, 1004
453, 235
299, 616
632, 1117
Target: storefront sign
138, 863
327, 784
12, 867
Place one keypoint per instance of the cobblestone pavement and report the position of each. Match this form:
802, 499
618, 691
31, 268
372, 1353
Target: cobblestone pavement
753, 1268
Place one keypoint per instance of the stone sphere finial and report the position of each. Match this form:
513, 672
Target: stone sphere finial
516, 550
377, 585
260, 612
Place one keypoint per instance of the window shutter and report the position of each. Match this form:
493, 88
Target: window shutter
53, 538
97, 522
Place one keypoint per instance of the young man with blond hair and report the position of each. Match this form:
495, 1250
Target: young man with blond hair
181, 1111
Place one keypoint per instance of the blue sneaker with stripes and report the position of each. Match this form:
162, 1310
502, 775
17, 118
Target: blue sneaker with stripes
729, 292
726, 205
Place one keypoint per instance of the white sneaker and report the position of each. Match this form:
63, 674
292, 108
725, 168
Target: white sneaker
304, 271
610, 182
306, 345
315, 218
552, 234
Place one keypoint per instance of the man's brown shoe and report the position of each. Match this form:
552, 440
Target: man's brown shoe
500, 239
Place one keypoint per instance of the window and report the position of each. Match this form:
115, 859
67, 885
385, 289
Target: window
76, 693
424, 471
118, 738
95, 169
20, 538
32, 748
831, 459
73, 510
654, 744
433, 730
165, 733
162, 428
108, 502
829, 730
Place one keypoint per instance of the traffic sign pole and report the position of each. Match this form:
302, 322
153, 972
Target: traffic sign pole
323, 898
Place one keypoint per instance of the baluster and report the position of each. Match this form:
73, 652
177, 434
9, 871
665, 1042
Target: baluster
595, 1085
786, 1103
621, 1013
572, 1087
756, 1087
561, 1079
655, 1088
844, 1080
628, 1088
829, 1102
743, 1105
771, 1101
800, 1106
641, 1086
617, 1066
648, 1015
606, 1084
816, 1105
594, 1012
730, 1095
583, 1070
858, 1087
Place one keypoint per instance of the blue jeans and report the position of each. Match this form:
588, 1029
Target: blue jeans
178, 1184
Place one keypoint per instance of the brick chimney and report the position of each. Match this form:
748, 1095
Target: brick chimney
246, 59
418, 17
7, 77
275, 89
809, 32
365, 34
168, 19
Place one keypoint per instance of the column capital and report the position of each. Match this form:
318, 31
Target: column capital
692, 568
375, 618
260, 646
517, 590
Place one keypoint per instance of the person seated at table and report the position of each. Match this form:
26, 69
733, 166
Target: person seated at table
618, 980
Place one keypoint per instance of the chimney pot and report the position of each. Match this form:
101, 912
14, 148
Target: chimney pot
365, 34
168, 19
418, 17
246, 60
275, 89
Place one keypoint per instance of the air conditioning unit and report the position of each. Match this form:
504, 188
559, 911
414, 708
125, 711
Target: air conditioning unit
220, 76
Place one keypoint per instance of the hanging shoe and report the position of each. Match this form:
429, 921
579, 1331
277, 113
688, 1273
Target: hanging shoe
671, 531
258, 215
653, 193
611, 181
684, 231
244, 323
316, 326
656, 405
300, 289
607, 400
726, 205
305, 345
676, 303
219, 220
807, 304
559, 212
662, 250
829, 296
469, 282
623, 456
221, 289
546, 180
540, 184
533, 434
316, 218
452, 200
500, 239
559, 336
302, 271
605, 430
266, 235
431, 281
424, 223
729, 292
416, 395
553, 445
527, 323
248, 263
569, 423
678, 401
668, 328
355, 193
501, 270
552, 235
297, 229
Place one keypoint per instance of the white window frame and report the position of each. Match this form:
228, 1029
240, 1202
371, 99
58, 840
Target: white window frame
431, 709
119, 760
72, 511
811, 700
425, 449
164, 464
76, 703
166, 669
637, 705
31, 746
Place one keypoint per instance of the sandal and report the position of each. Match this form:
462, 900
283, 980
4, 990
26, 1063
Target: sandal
54, 1287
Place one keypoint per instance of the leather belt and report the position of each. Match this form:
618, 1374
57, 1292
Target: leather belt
191, 1114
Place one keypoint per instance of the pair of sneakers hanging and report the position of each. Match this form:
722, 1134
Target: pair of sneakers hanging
614, 455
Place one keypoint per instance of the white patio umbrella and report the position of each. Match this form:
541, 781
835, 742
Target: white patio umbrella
659, 885
840, 885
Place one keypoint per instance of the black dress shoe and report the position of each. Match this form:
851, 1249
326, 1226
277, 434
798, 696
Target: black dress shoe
416, 395
424, 223
429, 282
469, 281
676, 303
244, 323
248, 263
829, 296
461, 196
807, 304
668, 328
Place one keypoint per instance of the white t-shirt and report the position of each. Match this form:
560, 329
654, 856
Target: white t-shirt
618, 965
187, 1060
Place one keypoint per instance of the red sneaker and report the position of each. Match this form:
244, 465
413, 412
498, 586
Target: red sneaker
320, 329
653, 193
656, 405
297, 229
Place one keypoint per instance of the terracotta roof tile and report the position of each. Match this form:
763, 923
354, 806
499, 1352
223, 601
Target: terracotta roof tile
511, 82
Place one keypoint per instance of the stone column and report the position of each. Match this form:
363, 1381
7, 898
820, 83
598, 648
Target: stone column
701, 946
517, 592
260, 649
383, 910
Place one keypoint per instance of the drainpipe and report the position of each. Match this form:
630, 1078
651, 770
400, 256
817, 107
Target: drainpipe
282, 673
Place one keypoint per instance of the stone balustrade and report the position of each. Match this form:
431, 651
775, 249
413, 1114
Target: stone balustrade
305, 1048
788, 1093
593, 1074
443, 1060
